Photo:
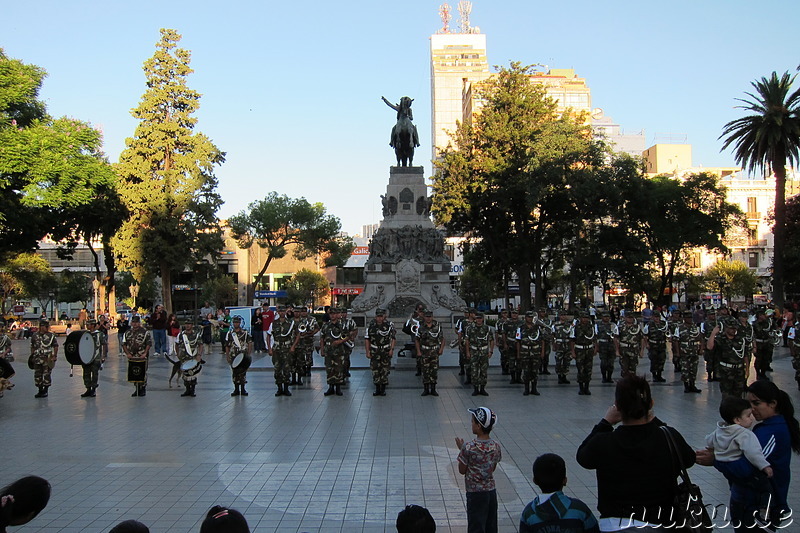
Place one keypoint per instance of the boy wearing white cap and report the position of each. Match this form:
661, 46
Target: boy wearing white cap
477, 461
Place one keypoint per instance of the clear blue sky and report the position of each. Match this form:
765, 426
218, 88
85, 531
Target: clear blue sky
291, 90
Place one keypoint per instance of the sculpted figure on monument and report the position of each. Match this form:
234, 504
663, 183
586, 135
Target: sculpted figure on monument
404, 134
362, 304
385, 204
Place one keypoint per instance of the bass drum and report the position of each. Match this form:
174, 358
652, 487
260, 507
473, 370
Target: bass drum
241, 362
191, 367
79, 348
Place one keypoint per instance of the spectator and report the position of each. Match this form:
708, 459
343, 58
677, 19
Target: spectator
552, 510
636, 472
223, 520
477, 461
22, 501
158, 321
415, 519
130, 526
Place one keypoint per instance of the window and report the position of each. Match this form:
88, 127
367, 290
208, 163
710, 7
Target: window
752, 259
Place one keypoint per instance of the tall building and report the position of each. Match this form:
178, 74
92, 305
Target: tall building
605, 128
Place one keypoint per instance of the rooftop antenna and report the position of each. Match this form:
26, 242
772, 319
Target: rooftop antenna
444, 13
464, 9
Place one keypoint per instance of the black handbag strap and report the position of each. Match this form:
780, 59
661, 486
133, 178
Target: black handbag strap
673, 453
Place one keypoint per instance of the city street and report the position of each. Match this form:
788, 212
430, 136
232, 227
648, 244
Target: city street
307, 462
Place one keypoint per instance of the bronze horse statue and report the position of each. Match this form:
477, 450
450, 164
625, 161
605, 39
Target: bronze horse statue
404, 134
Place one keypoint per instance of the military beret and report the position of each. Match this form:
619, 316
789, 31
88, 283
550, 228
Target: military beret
44, 324
136, 318
380, 312
686, 314
92, 322
236, 318
514, 312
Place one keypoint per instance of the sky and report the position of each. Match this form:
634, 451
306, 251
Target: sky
292, 90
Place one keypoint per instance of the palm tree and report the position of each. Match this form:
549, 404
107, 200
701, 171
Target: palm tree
767, 140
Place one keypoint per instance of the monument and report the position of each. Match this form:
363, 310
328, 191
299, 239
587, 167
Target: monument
407, 264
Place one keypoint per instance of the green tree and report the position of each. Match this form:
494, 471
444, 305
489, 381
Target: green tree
27, 275
768, 140
221, 290
74, 287
732, 277
476, 287
278, 223
49, 168
166, 174
306, 286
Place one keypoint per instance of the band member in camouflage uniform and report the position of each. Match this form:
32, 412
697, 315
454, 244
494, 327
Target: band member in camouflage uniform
281, 343
631, 344
6, 356
352, 333
509, 336
691, 345
379, 341
238, 341
44, 352
499, 341
480, 348
583, 346
529, 352
793, 336
730, 366
332, 338
189, 345
674, 323
91, 372
136, 344
410, 329
461, 329
608, 345
546, 325
307, 327
762, 334
710, 355
561, 330
656, 335
430, 345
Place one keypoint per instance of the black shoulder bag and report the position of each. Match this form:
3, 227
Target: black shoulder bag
689, 512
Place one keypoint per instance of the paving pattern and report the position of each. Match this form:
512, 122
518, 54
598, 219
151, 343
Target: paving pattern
306, 462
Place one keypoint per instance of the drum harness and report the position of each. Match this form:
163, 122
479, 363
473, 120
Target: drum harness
282, 335
384, 331
433, 333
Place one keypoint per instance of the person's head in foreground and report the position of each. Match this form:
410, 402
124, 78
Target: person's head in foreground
415, 519
130, 526
22, 500
223, 520
550, 473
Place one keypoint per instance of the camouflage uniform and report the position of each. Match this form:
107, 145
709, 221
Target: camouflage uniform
630, 346
138, 341
238, 342
479, 339
561, 346
43, 350
529, 339
657, 334
546, 325
509, 334
730, 366
91, 372
747, 331
283, 334
689, 339
188, 346
674, 322
607, 334
710, 355
350, 327
505, 354
461, 329
381, 338
304, 352
762, 333
334, 353
430, 341
584, 345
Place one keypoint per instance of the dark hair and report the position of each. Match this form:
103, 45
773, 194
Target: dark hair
632, 397
549, 471
768, 392
732, 407
130, 526
223, 520
31, 495
415, 519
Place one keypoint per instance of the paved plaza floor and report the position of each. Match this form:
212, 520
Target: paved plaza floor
307, 462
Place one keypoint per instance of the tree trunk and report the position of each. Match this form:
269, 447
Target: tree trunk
166, 287
779, 230
524, 276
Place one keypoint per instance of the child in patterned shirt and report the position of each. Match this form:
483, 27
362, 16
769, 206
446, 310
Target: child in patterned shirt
477, 461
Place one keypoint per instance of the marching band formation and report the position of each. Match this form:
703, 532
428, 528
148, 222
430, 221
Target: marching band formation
726, 343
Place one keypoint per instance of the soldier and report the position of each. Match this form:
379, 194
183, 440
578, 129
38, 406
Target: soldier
307, 327
92, 370
583, 346
608, 342
748, 332
547, 339
379, 341
730, 366
238, 341
656, 334
631, 344
189, 345
430, 345
44, 353
6, 356
136, 344
674, 322
710, 355
690, 339
762, 334
410, 329
332, 337
480, 348
529, 352
510, 340
281, 343
561, 330
794, 349
499, 341
461, 329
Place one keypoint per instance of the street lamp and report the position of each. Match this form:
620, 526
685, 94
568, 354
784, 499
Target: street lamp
134, 288
96, 287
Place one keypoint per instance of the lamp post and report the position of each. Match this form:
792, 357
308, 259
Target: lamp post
96, 287
134, 288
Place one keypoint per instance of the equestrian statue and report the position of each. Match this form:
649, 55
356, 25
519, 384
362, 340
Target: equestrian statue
404, 133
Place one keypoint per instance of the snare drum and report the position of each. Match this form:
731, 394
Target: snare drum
241, 362
191, 367
79, 348
137, 370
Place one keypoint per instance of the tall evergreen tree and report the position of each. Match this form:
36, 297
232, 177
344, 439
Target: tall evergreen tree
166, 175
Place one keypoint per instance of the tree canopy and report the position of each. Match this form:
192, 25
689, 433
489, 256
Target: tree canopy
166, 173
306, 287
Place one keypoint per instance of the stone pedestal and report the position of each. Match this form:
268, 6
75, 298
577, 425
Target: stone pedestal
406, 262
